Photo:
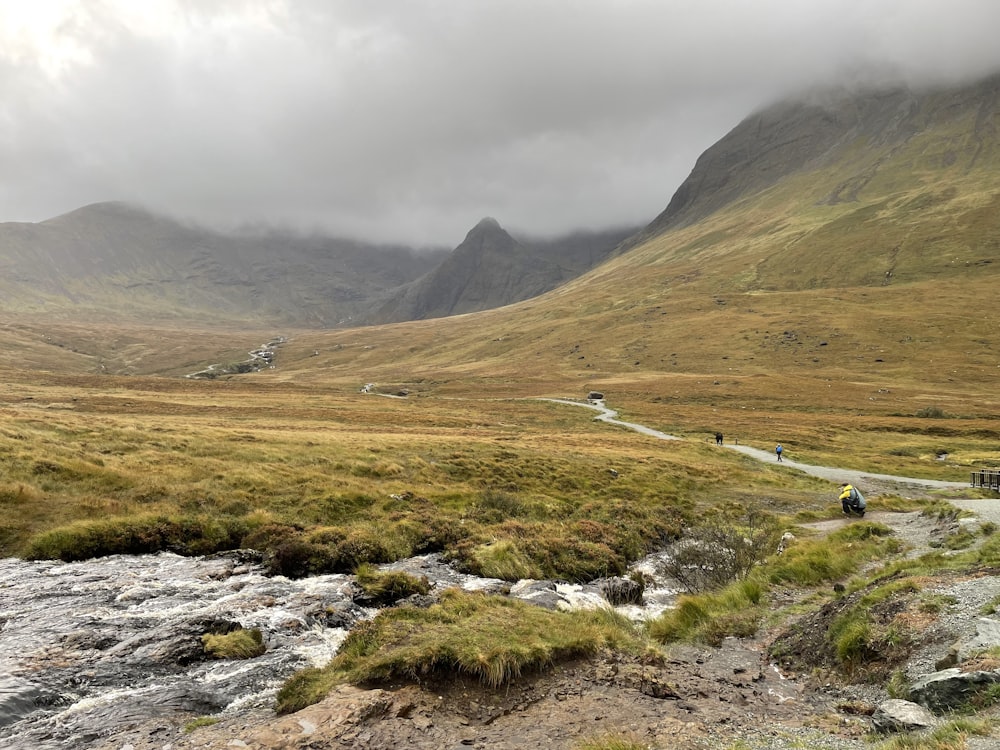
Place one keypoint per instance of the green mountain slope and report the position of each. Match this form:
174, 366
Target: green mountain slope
867, 248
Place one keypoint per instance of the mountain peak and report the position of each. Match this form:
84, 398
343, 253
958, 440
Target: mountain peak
487, 224
111, 209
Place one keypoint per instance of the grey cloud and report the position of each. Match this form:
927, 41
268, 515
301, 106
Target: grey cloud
412, 120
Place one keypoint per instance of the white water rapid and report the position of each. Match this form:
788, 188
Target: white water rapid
90, 648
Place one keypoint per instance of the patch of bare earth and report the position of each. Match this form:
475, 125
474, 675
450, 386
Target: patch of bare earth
698, 698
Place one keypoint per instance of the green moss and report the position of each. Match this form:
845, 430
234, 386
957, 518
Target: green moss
201, 721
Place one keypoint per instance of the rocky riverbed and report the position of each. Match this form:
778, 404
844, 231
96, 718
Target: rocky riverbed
91, 648
106, 655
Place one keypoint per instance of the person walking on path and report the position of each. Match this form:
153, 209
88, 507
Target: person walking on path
779, 450
718, 438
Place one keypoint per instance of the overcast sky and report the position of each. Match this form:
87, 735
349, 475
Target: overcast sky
410, 120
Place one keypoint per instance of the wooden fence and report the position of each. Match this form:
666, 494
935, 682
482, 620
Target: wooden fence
989, 478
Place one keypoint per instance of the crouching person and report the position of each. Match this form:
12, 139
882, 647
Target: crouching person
852, 500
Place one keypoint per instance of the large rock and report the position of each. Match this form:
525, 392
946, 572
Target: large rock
987, 636
950, 688
171, 643
91, 722
897, 715
539, 593
18, 698
618, 590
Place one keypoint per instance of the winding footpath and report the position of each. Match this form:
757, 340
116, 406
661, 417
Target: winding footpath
987, 508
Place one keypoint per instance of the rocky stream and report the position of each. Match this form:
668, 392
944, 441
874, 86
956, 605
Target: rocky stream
89, 648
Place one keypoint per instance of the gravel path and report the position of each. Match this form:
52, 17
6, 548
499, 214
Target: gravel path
823, 472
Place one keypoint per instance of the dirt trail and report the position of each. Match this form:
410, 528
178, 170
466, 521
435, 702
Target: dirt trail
823, 472
988, 509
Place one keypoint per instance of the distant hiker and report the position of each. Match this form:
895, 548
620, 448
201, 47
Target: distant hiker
779, 450
852, 500
718, 438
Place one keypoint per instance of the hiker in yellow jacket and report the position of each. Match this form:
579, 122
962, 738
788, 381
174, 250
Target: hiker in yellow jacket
852, 500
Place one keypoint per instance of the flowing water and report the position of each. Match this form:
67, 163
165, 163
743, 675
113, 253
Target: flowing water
94, 647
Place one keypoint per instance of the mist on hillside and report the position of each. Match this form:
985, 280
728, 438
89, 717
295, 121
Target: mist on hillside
408, 122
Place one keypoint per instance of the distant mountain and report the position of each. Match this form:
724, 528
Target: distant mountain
491, 269
112, 260
852, 234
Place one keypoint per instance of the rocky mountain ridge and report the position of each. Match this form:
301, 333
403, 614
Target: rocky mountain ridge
115, 260
859, 131
491, 269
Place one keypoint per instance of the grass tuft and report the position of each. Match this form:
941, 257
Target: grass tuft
382, 588
712, 616
952, 735
613, 741
238, 644
490, 638
189, 535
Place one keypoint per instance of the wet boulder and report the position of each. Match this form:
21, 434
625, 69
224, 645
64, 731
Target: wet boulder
18, 698
540, 593
184, 700
171, 643
951, 688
